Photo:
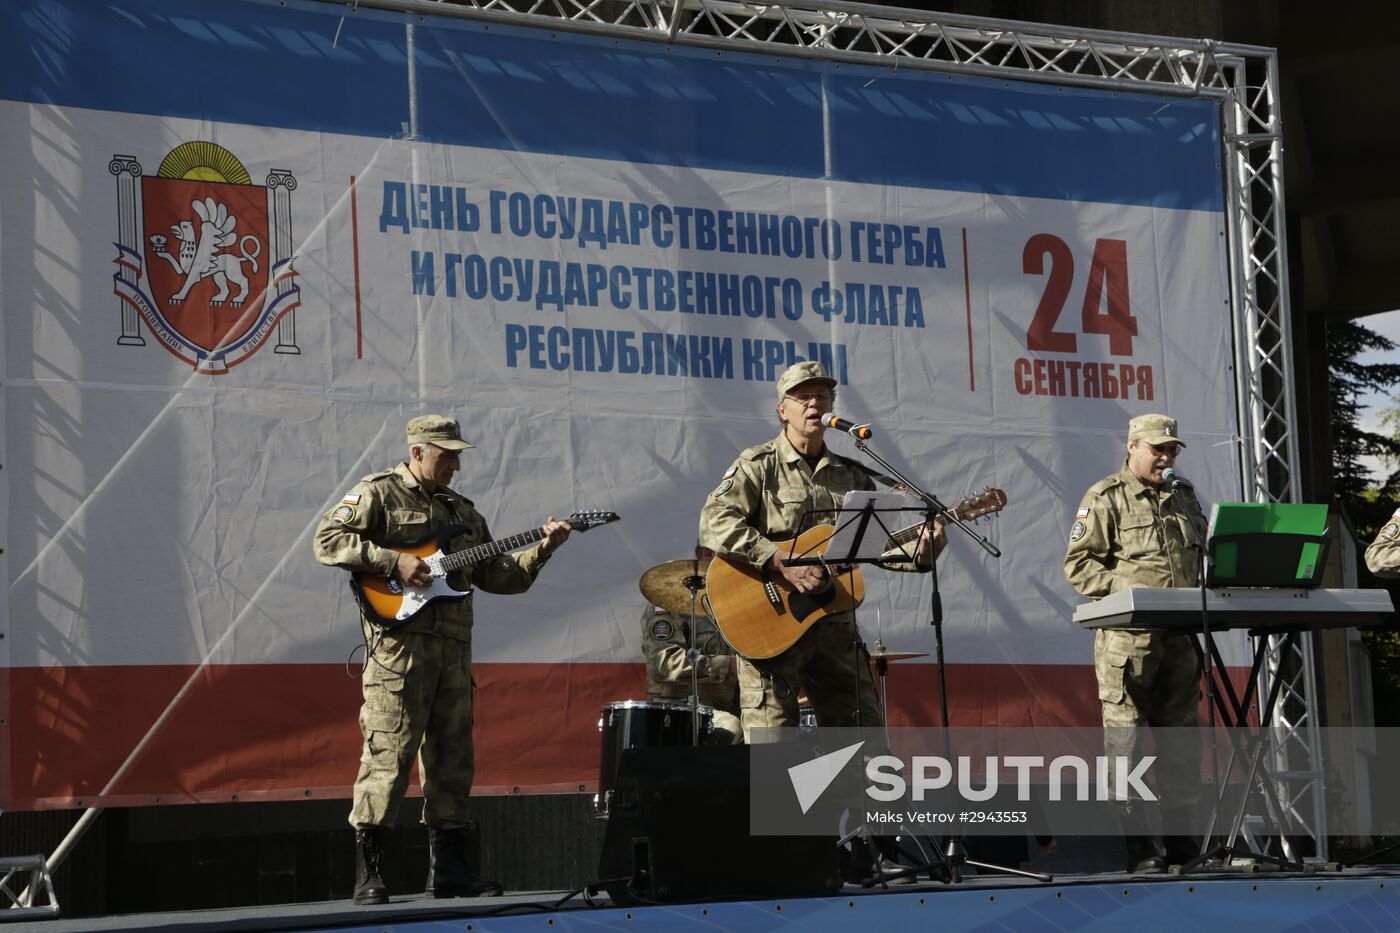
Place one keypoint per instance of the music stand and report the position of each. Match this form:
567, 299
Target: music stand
856, 530
1266, 544
954, 854
1262, 545
861, 537
853, 542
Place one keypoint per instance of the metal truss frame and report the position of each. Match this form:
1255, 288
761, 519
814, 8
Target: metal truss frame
1243, 79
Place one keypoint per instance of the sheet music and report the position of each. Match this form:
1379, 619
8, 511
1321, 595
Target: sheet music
872, 543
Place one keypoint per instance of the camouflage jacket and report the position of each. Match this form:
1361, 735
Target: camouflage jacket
391, 509
665, 640
1126, 531
763, 498
1383, 555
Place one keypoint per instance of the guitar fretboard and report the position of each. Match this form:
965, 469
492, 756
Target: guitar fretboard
903, 536
974, 507
475, 555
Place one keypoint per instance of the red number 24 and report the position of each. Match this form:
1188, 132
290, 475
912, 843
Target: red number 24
1107, 270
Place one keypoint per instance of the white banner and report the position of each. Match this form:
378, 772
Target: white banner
216, 323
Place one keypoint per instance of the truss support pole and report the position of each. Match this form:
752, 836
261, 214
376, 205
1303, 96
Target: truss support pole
36, 901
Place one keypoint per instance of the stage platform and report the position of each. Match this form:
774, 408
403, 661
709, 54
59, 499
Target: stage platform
1341, 901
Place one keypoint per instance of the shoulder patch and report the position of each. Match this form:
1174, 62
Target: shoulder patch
342, 514
1390, 532
1078, 530
351, 498
662, 629
723, 487
730, 472
1082, 513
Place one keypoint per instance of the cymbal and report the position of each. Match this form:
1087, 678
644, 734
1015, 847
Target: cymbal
881, 654
665, 585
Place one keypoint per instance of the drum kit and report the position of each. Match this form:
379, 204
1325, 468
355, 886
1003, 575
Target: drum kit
678, 586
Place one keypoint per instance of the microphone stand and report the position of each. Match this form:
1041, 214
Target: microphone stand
955, 854
936, 509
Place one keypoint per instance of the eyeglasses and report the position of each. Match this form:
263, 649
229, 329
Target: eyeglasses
1166, 450
807, 398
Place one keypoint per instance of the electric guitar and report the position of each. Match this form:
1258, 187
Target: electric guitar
389, 603
759, 612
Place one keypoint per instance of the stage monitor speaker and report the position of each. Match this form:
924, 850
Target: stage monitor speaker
679, 830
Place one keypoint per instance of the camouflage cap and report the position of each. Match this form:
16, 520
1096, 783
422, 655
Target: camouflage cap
1154, 429
798, 373
438, 430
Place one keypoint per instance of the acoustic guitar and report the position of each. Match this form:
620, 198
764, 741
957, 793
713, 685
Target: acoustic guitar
759, 612
387, 602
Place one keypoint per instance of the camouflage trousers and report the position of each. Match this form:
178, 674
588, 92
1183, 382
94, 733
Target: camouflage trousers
1151, 679
417, 703
822, 665
729, 729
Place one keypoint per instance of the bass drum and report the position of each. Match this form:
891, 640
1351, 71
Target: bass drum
641, 724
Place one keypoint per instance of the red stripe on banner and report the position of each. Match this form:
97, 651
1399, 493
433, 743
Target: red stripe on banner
289, 731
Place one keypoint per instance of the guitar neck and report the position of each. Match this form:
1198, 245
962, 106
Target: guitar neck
904, 536
975, 507
475, 555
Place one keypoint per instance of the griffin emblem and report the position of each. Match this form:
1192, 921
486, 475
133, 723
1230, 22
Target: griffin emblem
199, 255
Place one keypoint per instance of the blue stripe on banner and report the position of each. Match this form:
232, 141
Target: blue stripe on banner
261, 63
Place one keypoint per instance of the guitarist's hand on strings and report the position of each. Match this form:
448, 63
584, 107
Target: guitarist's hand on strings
938, 540
804, 579
555, 534
412, 570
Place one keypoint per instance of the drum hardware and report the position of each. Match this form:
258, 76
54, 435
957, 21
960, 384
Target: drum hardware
882, 657
806, 713
676, 586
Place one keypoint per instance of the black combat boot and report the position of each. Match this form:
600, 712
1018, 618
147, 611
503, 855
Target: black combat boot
369, 887
1143, 855
1181, 848
447, 867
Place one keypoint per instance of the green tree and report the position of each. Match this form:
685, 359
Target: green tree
1348, 379
1368, 503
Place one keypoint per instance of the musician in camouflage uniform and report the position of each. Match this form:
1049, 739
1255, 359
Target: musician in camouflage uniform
1383, 554
1133, 530
665, 647
417, 682
761, 500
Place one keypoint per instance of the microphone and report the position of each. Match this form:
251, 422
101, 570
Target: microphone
859, 431
1174, 479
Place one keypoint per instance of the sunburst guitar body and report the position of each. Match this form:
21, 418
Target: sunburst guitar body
388, 603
